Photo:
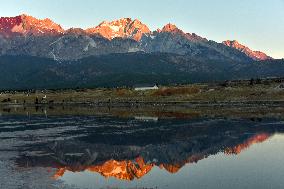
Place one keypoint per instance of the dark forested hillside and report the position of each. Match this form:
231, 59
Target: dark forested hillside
115, 70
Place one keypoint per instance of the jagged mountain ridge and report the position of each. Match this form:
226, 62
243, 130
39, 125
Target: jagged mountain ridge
125, 28
26, 35
256, 55
28, 25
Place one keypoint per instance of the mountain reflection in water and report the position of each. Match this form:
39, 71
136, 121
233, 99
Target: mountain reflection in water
131, 169
129, 149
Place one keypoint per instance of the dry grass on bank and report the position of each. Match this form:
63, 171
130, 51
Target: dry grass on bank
177, 91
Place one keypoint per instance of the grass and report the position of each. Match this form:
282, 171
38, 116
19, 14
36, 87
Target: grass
187, 93
186, 101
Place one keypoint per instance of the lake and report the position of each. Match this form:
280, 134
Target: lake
111, 152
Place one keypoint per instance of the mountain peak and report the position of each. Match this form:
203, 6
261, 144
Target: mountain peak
255, 55
169, 28
75, 31
234, 43
124, 28
25, 24
24, 15
177, 41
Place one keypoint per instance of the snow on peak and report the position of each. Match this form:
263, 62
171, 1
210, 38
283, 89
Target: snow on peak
124, 28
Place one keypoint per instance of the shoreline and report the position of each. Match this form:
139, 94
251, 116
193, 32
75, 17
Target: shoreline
185, 111
158, 104
229, 98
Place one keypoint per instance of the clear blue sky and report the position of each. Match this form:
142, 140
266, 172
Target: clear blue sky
256, 23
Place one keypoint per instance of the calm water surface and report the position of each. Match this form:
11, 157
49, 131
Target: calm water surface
141, 152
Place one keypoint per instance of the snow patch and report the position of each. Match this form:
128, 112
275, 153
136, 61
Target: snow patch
115, 28
152, 36
133, 50
53, 55
115, 35
40, 31
56, 41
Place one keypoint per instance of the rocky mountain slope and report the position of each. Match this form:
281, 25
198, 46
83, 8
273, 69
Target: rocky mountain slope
26, 35
25, 25
124, 28
38, 53
255, 55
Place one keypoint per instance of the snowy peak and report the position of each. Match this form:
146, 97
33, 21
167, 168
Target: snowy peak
256, 55
168, 39
24, 24
124, 28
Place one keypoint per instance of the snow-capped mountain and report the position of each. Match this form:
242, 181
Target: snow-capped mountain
124, 28
26, 35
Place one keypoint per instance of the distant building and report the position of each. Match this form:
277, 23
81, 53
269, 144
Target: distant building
147, 119
146, 87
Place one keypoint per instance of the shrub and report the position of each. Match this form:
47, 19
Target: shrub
121, 92
176, 91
